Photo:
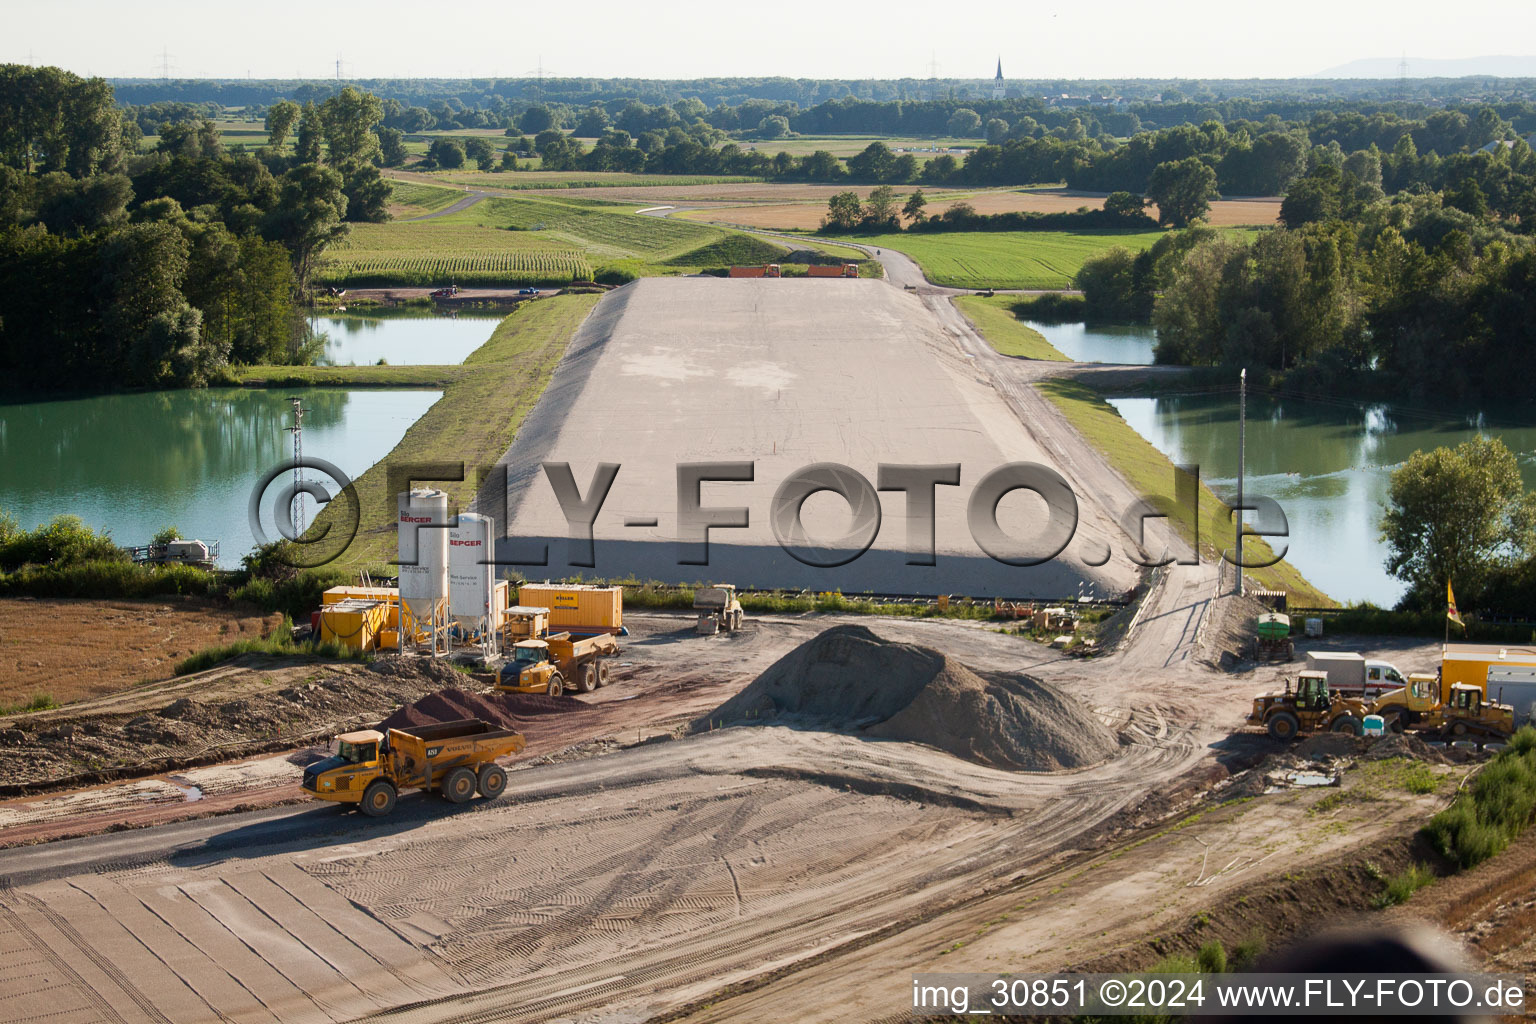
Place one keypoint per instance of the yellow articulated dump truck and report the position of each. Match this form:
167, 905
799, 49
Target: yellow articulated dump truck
458, 759
556, 662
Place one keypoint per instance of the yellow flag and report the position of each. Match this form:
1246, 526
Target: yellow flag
1450, 606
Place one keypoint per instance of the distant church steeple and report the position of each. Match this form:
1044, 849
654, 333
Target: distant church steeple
997, 83
999, 69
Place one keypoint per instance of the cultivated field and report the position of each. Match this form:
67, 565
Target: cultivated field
436, 253
1008, 259
517, 180
807, 216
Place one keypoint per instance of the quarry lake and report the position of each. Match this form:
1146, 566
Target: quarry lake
403, 337
136, 463
1100, 343
1328, 463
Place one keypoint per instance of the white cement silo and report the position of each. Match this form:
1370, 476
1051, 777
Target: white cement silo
471, 582
423, 556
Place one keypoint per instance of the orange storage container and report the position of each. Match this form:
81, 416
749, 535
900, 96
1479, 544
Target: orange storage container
580, 609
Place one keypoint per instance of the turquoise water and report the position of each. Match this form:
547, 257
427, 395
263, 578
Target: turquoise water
1101, 343
359, 340
1327, 463
134, 464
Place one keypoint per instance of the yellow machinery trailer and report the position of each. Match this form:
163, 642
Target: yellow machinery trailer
1469, 664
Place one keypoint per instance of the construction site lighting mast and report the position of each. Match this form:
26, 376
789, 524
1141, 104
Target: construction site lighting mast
1242, 448
296, 509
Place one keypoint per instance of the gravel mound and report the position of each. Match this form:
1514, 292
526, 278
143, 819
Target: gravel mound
517, 711
849, 678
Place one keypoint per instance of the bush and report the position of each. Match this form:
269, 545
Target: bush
1403, 885
1051, 309
1212, 958
63, 541
114, 579
1245, 955
1497, 808
616, 274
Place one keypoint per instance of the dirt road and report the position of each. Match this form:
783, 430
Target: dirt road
621, 881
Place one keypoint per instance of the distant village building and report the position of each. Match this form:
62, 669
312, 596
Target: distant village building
998, 86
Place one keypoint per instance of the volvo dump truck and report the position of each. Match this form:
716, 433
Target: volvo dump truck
556, 662
1418, 707
1310, 707
458, 759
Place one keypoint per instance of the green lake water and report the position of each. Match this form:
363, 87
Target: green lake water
402, 338
135, 463
1327, 463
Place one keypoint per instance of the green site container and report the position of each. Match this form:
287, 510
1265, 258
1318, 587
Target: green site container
1274, 626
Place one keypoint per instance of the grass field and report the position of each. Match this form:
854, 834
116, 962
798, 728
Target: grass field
1151, 474
601, 230
507, 240
993, 317
1008, 259
411, 199
483, 404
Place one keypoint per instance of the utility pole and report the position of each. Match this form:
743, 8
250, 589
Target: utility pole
1242, 452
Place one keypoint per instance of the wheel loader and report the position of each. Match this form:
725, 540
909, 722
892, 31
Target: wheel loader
1310, 707
718, 608
1418, 707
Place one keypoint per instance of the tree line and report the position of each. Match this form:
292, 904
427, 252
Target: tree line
1423, 293
120, 268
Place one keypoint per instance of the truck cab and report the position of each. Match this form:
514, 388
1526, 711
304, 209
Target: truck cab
346, 774
1382, 675
531, 670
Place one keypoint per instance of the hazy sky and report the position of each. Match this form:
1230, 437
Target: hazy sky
609, 38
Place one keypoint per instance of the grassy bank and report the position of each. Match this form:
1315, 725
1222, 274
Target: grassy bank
993, 318
1008, 259
474, 422
1150, 474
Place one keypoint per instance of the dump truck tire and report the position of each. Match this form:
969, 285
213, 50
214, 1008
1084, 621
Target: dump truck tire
459, 786
493, 781
586, 678
1349, 724
1396, 717
1283, 725
602, 672
556, 685
378, 799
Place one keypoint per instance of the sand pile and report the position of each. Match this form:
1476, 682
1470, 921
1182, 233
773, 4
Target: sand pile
849, 678
524, 712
